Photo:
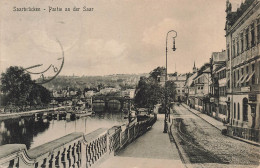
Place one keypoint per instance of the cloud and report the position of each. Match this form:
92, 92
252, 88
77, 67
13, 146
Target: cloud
102, 51
156, 34
96, 56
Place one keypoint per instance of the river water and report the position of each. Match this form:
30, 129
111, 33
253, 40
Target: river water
32, 132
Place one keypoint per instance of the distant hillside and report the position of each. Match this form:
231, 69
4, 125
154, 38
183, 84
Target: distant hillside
123, 81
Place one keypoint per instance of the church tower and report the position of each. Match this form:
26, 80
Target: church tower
194, 70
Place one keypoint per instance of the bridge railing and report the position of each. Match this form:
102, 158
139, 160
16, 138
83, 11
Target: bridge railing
75, 149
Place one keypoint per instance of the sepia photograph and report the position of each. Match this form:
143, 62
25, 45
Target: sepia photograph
130, 84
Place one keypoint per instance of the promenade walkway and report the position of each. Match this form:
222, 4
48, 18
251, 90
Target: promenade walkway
152, 150
25, 113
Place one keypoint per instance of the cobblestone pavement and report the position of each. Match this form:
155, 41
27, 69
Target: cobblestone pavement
204, 146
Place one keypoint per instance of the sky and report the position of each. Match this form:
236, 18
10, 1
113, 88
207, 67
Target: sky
117, 37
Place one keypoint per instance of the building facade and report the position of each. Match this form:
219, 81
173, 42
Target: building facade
218, 85
243, 66
202, 89
180, 81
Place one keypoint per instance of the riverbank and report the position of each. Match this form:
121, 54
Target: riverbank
27, 113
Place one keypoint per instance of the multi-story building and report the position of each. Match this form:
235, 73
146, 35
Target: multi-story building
218, 93
243, 66
180, 81
190, 88
218, 85
202, 87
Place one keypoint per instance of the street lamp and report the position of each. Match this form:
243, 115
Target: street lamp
165, 106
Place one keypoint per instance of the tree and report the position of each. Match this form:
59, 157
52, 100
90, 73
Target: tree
149, 92
157, 72
16, 85
19, 89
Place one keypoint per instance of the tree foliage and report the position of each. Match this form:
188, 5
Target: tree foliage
150, 92
157, 72
19, 89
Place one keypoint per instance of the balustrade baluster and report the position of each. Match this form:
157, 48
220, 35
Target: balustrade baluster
58, 160
43, 163
91, 154
69, 156
78, 154
94, 158
88, 156
105, 144
73, 157
64, 158
51, 161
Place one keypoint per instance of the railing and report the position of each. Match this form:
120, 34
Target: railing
74, 150
246, 133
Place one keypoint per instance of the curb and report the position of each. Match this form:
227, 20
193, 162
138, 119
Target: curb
182, 154
234, 137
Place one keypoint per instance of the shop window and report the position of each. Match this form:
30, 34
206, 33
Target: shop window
245, 109
234, 110
238, 111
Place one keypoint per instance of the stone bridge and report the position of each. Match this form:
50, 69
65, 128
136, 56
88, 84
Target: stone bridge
114, 103
75, 149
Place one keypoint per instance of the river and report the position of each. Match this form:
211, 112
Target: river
32, 132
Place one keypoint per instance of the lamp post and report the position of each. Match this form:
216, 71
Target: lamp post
165, 106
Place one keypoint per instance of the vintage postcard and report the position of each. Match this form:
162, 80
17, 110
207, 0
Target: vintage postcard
130, 83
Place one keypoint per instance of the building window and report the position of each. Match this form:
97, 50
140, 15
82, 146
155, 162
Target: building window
234, 110
237, 46
253, 77
234, 83
247, 39
238, 111
245, 109
238, 75
258, 30
253, 34
234, 49
242, 42
228, 52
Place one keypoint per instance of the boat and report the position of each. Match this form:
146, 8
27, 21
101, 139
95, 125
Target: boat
83, 113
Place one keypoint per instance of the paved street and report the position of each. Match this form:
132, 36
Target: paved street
152, 150
203, 145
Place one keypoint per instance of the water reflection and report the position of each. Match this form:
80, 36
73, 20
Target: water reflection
34, 132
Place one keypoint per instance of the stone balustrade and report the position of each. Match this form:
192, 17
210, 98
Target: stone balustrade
75, 149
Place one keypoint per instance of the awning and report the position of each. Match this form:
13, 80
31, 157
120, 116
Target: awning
241, 78
250, 76
242, 81
227, 82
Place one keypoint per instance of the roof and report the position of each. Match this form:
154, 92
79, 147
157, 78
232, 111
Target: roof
190, 80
